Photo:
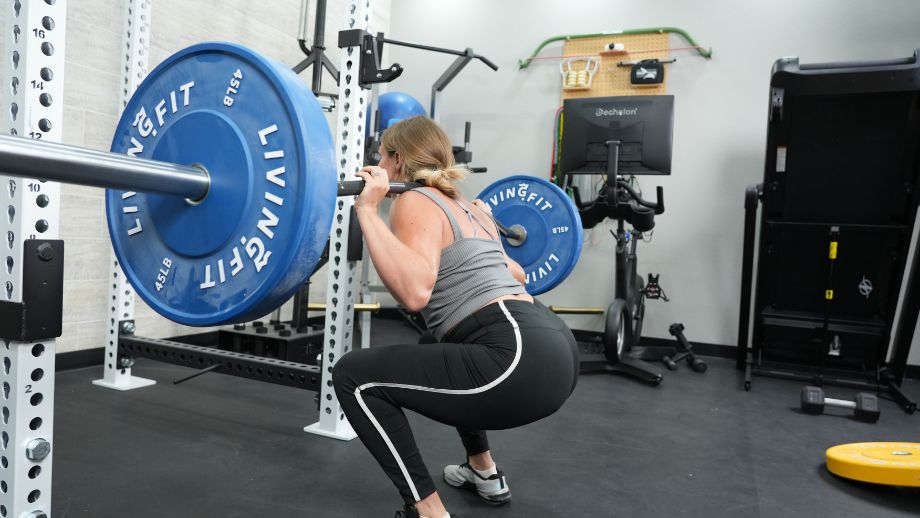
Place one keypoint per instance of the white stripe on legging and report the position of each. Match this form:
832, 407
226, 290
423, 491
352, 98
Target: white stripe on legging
477, 390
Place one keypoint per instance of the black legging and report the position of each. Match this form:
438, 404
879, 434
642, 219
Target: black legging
509, 364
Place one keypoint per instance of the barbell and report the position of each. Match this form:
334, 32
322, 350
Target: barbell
222, 188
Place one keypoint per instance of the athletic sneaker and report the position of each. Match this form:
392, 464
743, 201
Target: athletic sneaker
493, 489
409, 511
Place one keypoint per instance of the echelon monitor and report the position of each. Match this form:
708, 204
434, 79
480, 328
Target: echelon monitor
641, 124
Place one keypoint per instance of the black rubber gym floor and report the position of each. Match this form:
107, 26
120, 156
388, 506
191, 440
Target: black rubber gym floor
697, 445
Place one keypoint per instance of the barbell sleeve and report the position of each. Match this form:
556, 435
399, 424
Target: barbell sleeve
28, 158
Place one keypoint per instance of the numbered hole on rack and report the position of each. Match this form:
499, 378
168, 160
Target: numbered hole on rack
35, 495
41, 225
35, 471
44, 125
48, 23
37, 374
42, 200
47, 49
38, 350
45, 99
46, 74
36, 399
35, 424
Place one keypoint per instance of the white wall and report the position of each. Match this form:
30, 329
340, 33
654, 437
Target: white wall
720, 120
94, 43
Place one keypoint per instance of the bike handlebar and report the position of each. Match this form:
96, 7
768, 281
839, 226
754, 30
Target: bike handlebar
658, 207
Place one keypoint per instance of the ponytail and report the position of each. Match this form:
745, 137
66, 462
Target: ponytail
444, 180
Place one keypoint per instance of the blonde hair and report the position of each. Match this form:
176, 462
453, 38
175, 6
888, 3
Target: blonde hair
426, 153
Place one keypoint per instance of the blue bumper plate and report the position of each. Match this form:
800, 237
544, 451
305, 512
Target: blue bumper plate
250, 243
550, 218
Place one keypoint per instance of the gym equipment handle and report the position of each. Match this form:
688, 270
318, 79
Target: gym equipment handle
658, 207
842, 403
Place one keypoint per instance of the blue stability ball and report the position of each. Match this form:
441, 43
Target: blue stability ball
396, 106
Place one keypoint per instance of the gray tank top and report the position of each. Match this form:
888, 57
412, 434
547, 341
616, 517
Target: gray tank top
473, 271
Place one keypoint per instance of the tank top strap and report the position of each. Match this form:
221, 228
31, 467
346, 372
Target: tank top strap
458, 234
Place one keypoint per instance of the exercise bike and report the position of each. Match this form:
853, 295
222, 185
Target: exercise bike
623, 324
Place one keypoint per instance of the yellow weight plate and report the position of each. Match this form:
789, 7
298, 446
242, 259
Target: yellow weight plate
889, 463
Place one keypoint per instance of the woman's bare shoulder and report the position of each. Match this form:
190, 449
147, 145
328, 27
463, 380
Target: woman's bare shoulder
412, 207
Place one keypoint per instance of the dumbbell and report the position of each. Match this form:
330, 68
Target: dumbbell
865, 406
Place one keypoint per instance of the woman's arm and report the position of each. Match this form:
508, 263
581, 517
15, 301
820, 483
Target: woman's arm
406, 258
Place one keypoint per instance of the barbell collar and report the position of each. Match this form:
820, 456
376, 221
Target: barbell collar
28, 158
